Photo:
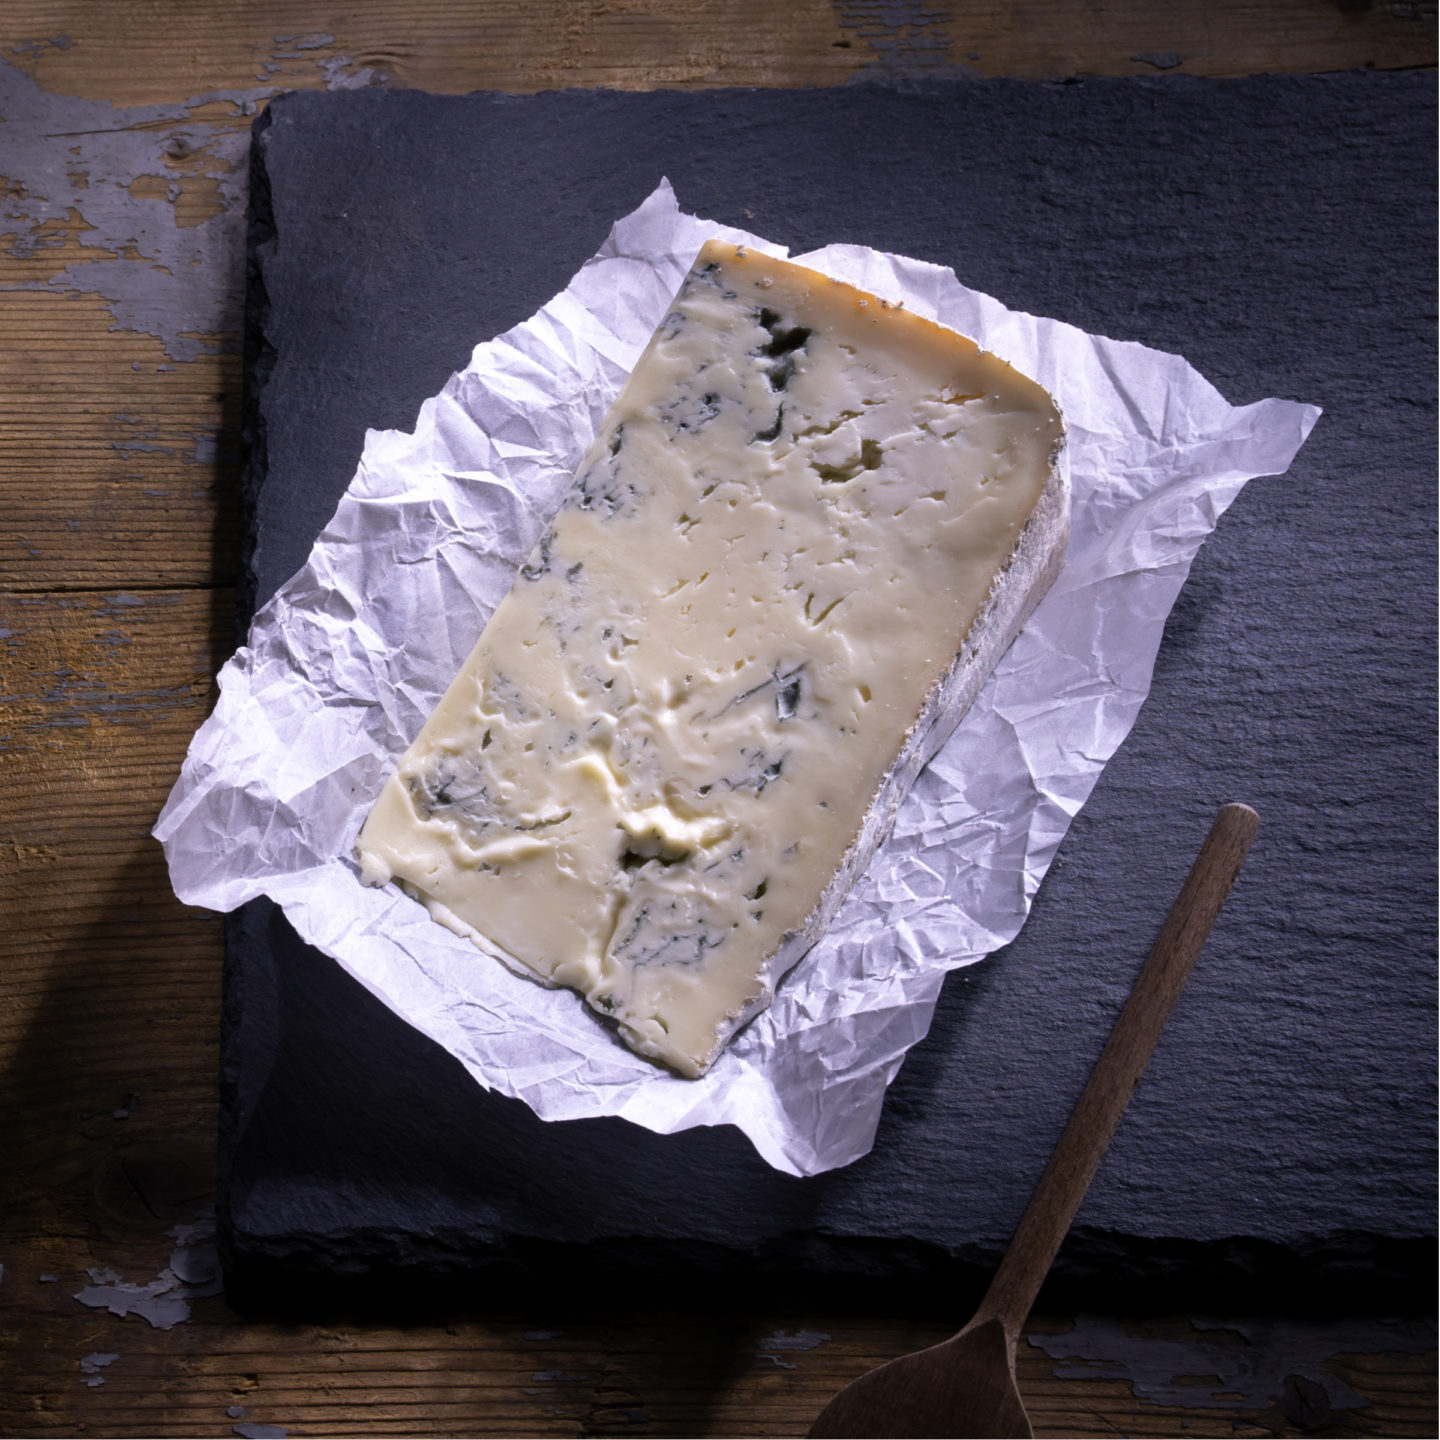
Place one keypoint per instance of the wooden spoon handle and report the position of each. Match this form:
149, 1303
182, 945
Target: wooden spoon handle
1067, 1177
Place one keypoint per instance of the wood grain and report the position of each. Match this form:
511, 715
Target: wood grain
110, 984
630, 1374
134, 52
139, 453
118, 453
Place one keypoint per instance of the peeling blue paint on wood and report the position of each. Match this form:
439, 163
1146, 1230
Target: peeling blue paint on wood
66, 178
1207, 1363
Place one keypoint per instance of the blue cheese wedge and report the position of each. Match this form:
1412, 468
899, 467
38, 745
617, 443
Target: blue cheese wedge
806, 531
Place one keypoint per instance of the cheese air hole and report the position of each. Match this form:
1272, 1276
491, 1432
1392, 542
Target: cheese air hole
869, 458
631, 860
829, 428
864, 693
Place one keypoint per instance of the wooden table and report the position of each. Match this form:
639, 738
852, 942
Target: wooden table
121, 267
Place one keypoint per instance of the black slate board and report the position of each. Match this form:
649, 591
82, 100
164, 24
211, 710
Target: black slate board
1279, 233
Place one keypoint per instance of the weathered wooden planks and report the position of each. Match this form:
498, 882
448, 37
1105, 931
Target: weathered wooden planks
132, 53
116, 470
110, 984
626, 1374
118, 465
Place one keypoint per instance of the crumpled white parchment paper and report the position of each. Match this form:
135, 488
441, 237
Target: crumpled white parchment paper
345, 663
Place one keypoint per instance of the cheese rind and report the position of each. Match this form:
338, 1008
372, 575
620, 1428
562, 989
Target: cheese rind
806, 531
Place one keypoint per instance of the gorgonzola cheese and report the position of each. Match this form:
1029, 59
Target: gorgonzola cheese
805, 532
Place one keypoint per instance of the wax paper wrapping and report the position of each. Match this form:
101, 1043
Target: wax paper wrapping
346, 661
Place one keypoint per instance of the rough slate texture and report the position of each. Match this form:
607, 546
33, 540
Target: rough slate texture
1277, 232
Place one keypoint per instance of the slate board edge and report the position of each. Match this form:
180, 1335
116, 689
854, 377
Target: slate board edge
380, 1270
1385, 1264
258, 361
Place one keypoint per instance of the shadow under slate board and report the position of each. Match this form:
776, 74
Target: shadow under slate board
1278, 232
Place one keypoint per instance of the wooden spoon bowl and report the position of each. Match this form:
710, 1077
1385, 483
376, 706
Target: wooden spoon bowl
967, 1383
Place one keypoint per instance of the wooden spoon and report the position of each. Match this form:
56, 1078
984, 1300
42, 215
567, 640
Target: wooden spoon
966, 1385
